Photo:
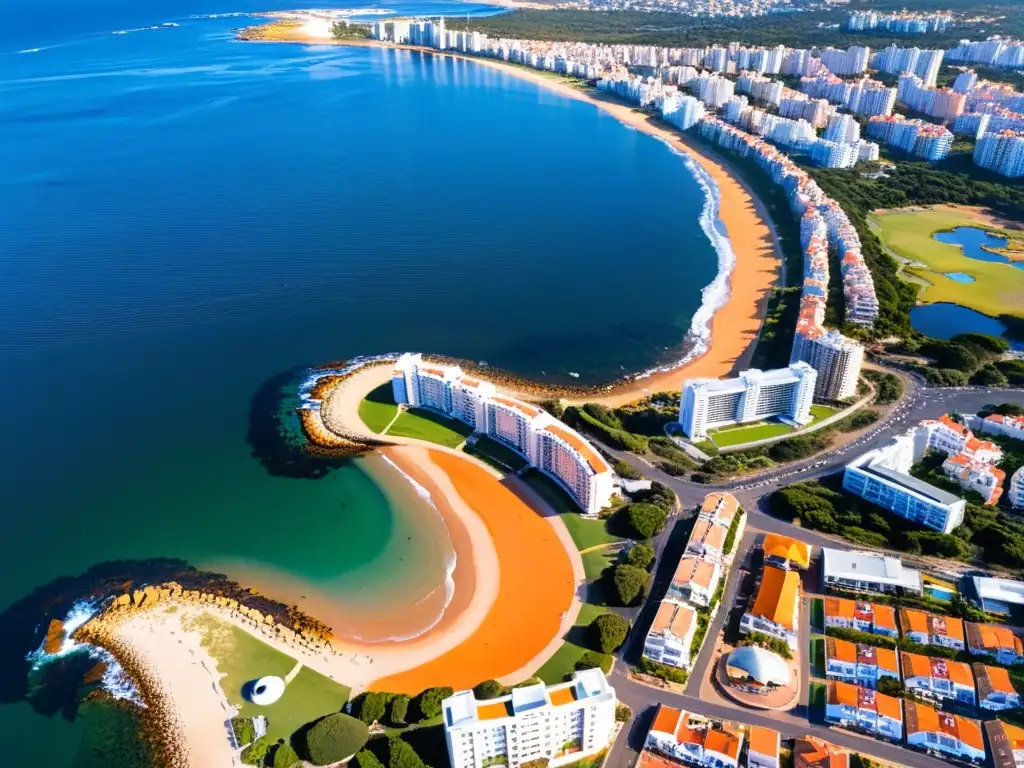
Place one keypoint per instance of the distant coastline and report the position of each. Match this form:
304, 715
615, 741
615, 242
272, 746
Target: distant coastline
725, 328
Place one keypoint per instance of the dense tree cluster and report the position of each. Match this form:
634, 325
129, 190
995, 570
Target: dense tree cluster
608, 632
630, 583
335, 738
888, 388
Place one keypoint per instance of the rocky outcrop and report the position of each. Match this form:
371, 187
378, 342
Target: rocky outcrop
54, 636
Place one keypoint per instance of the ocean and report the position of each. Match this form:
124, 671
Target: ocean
190, 222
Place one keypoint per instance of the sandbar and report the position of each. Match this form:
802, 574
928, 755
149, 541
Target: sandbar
734, 326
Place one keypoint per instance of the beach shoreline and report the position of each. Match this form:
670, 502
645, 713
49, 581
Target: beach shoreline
733, 328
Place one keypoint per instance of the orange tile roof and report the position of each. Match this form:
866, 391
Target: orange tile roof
946, 625
915, 665
913, 621
470, 382
517, 405
787, 549
962, 459
998, 678
995, 638
922, 718
960, 673
764, 741
885, 658
777, 597
667, 719
888, 706
493, 711
583, 448
885, 616
562, 696
809, 752
723, 742
709, 534
840, 606
843, 650
694, 570
431, 371
725, 504
843, 694
960, 429
675, 617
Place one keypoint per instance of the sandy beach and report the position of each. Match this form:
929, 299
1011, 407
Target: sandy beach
735, 326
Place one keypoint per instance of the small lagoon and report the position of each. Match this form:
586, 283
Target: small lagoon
944, 321
973, 242
959, 277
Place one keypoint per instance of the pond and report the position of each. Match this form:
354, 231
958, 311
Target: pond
973, 241
944, 321
959, 277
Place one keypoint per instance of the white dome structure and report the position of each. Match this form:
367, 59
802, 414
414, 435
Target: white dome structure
266, 690
751, 665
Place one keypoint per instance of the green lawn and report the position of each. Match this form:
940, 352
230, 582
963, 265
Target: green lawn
817, 657
816, 701
596, 561
497, 455
747, 433
819, 412
818, 614
586, 533
998, 287
563, 662
378, 408
242, 658
425, 425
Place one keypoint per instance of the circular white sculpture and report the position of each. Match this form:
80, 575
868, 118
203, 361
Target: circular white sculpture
266, 690
750, 664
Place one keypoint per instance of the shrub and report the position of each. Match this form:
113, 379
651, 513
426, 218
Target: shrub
890, 686
285, 757
888, 388
243, 729
659, 495
863, 638
372, 707
622, 713
641, 555
608, 632
256, 753
592, 660
335, 738
630, 583
662, 671
366, 759
626, 471
644, 520
401, 755
730, 535
773, 644
430, 701
399, 709
489, 689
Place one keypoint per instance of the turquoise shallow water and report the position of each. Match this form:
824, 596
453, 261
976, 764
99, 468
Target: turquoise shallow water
189, 222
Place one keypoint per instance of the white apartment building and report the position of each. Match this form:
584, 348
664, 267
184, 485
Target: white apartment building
1017, 489
560, 723
547, 444
670, 638
696, 579
836, 358
853, 61
752, 396
867, 572
842, 128
1001, 152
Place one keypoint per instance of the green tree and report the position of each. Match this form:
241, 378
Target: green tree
284, 756
890, 686
401, 755
608, 632
399, 709
256, 753
372, 707
630, 582
366, 759
644, 520
641, 555
335, 738
489, 689
430, 701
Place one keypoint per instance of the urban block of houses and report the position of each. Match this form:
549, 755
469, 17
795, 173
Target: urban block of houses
763, 747
694, 739
560, 723
952, 735
938, 678
784, 552
863, 665
995, 689
809, 752
929, 629
775, 609
867, 572
998, 595
695, 580
556, 450
861, 616
1000, 642
875, 713
970, 460
1006, 743
670, 638
707, 539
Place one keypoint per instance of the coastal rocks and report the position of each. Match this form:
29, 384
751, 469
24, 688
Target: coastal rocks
54, 636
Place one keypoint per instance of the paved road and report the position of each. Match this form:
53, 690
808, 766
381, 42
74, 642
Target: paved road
918, 404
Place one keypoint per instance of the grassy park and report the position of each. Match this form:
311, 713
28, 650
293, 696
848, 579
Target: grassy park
494, 453
740, 434
378, 408
424, 425
585, 533
998, 287
242, 658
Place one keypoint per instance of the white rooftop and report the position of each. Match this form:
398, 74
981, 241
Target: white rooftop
775, 376
528, 697
460, 708
868, 566
1000, 590
590, 682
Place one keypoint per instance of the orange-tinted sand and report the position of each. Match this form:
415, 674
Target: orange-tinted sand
531, 599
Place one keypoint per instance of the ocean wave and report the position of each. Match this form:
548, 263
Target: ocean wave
166, 25
306, 399
31, 50
115, 681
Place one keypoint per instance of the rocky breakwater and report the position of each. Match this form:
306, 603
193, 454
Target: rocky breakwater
337, 440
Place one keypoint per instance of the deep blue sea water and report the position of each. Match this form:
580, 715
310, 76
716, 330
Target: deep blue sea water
184, 217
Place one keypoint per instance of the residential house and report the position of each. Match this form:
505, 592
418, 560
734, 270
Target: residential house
1006, 743
775, 610
707, 539
694, 739
938, 678
995, 689
988, 640
853, 706
864, 617
952, 735
763, 748
695, 580
929, 629
784, 552
867, 572
670, 638
809, 752
864, 665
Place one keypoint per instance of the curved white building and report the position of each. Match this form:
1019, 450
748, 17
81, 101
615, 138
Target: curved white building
546, 443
